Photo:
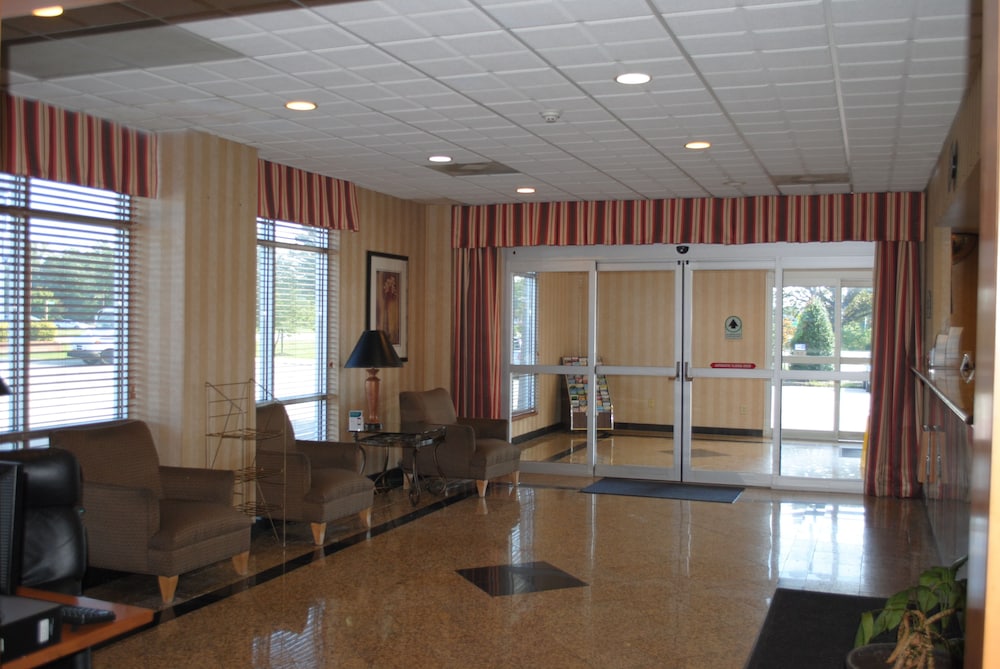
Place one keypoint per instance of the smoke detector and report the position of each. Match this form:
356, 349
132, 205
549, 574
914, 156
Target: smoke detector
551, 115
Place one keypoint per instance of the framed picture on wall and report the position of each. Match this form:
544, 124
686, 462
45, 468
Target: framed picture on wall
387, 285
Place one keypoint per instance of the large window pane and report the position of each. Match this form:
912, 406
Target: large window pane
826, 362
293, 321
524, 341
64, 305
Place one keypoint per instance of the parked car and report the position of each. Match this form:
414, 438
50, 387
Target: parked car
95, 344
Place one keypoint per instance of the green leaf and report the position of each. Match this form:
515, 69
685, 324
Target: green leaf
865, 629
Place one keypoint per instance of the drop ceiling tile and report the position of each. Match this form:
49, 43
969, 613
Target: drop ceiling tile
876, 52
280, 21
242, 68
526, 14
717, 21
385, 29
417, 50
945, 27
784, 15
461, 21
640, 28
799, 38
721, 44
885, 32
554, 36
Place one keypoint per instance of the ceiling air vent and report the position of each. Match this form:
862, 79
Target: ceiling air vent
473, 169
810, 179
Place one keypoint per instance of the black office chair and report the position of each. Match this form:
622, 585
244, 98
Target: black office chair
55, 544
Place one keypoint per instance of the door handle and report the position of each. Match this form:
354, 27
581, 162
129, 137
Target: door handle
687, 374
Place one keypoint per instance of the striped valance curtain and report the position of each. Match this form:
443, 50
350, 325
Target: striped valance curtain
289, 194
750, 220
46, 142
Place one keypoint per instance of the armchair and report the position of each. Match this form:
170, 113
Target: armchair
322, 479
145, 518
473, 448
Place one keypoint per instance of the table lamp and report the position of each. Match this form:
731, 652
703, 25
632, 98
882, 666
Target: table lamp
372, 352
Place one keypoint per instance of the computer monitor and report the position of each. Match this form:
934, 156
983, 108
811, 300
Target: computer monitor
11, 525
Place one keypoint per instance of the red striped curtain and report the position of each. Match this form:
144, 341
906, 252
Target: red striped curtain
42, 141
751, 220
289, 194
892, 464
476, 371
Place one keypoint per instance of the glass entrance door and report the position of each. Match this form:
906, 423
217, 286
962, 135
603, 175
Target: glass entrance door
825, 369
728, 373
667, 368
638, 353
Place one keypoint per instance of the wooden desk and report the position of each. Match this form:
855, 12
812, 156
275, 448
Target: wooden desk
127, 618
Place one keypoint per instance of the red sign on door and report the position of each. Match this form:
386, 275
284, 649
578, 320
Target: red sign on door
734, 365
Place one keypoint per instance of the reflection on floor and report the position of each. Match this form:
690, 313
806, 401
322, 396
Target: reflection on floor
652, 582
828, 460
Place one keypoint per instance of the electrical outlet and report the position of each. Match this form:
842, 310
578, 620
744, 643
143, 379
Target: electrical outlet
650, 403
743, 409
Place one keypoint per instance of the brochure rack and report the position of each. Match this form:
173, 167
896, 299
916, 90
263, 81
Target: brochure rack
579, 397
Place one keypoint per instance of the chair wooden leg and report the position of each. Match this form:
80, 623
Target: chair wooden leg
168, 586
366, 516
481, 487
241, 562
407, 482
319, 533
515, 478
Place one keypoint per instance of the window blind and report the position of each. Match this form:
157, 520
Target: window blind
64, 304
295, 319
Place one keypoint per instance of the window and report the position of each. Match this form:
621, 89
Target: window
826, 353
296, 267
524, 342
64, 305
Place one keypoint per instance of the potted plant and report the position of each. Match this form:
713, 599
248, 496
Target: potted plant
928, 620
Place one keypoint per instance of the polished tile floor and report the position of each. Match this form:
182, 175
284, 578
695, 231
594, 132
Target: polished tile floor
799, 458
578, 580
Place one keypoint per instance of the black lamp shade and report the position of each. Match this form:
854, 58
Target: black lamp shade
4, 388
373, 350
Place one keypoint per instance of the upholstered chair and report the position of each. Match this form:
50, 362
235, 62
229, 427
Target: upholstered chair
473, 448
309, 481
54, 551
146, 518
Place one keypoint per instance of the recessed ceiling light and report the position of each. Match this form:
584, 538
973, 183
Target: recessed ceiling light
440, 159
697, 145
48, 12
633, 78
525, 190
300, 105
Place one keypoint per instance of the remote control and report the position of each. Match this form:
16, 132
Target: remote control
84, 615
